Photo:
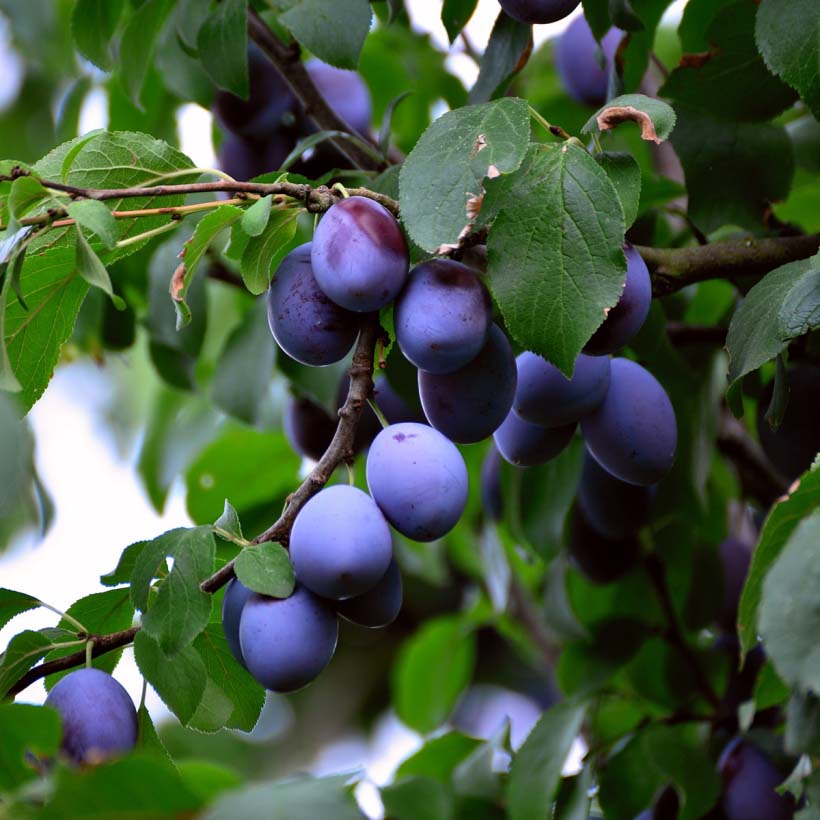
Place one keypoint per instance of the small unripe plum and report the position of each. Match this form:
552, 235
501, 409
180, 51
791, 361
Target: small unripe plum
577, 62
340, 543
547, 397
359, 255
345, 92
308, 427
98, 716
538, 11
443, 316
236, 595
526, 444
378, 607
307, 325
419, 480
287, 642
627, 317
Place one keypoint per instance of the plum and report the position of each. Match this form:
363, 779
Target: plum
735, 558
345, 92
379, 606
526, 444
236, 595
418, 479
577, 62
244, 158
600, 559
538, 11
308, 427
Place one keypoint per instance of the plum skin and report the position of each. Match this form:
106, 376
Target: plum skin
469, 404
633, 433
379, 606
575, 60
340, 543
418, 479
547, 397
600, 560
735, 559
307, 325
98, 716
359, 255
308, 427
287, 642
233, 602
525, 444
345, 92
538, 11
442, 316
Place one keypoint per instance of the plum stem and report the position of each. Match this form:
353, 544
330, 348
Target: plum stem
337, 186
89, 649
378, 413
553, 130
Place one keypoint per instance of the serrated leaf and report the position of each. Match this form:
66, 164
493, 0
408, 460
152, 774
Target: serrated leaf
13, 603
121, 574
781, 522
22, 652
147, 738
554, 260
266, 569
92, 270
25, 194
93, 23
25, 730
788, 35
625, 174
507, 49
137, 45
95, 217
255, 218
655, 118
263, 253
450, 162
228, 525
455, 14
223, 46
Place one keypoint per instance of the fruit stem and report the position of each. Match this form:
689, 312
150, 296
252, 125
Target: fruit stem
337, 186
553, 130
379, 415
89, 653
351, 475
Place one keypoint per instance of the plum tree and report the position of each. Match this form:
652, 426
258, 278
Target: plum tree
308, 427
287, 642
526, 444
627, 317
735, 558
633, 433
442, 316
545, 396
306, 324
749, 783
379, 606
236, 596
613, 507
98, 716
359, 255
419, 480
539, 11
469, 404
340, 544
576, 58
600, 559
794, 445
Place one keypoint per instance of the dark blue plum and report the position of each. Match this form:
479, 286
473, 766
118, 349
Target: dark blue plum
98, 716
394, 408
794, 445
611, 506
600, 559
419, 480
577, 62
287, 642
307, 325
547, 397
236, 595
492, 499
245, 158
539, 11
308, 427
470, 404
443, 316
345, 92
633, 433
378, 607
735, 558
526, 444
359, 255
749, 783
340, 543
627, 317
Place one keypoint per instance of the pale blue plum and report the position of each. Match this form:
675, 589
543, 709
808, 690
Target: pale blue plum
526, 444
236, 595
577, 63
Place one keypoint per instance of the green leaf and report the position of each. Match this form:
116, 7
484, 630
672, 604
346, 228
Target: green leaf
655, 118
93, 23
778, 528
536, 769
266, 568
505, 55
180, 610
147, 739
228, 526
263, 253
597, 15
137, 45
92, 269
249, 467
95, 217
455, 14
433, 668
449, 163
25, 730
782, 306
22, 652
573, 797
121, 574
477, 775
625, 174
222, 43
439, 757
788, 38
208, 780
789, 612
803, 724
13, 603
179, 680
255, 218
419, 798
554, 255
26, 194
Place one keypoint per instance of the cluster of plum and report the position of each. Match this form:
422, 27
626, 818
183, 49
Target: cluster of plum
261, 132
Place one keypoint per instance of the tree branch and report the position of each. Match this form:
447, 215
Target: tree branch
288, 60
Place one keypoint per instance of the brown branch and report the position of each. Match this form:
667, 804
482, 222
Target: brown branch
738, 260
288, 60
